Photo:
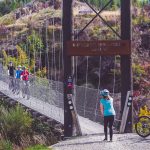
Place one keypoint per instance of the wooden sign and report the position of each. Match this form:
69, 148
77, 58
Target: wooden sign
98, 48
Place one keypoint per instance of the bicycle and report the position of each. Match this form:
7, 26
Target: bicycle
142, 122
142, 126
141, 119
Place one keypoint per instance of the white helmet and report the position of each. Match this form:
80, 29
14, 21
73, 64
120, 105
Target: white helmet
105, 92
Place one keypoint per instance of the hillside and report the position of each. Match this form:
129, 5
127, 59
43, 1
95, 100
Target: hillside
45, 19
31, 36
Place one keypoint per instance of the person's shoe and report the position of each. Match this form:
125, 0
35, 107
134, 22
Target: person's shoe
111, 140
105, 139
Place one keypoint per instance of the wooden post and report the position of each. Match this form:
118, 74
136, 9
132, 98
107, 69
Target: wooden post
67, 36
126, 73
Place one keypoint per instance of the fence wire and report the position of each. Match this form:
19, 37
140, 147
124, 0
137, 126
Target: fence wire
47, 92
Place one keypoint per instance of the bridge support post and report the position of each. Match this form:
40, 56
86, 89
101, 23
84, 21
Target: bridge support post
67, 36
126, 70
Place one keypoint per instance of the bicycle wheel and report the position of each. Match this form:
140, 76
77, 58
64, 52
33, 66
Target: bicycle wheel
142, 127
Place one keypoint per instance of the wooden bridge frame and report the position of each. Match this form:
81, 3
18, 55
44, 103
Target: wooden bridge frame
126, 73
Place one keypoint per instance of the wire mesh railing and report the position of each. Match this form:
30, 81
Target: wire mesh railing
43, 95
89, 107
43, 91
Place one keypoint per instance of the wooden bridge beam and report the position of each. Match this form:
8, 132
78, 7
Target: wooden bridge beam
126, 72
67, 36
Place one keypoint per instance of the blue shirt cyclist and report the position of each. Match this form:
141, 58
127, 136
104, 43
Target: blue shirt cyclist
18, 72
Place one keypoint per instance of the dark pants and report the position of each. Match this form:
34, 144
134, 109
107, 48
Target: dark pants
108, 120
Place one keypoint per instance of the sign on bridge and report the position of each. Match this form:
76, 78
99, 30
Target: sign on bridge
98, 48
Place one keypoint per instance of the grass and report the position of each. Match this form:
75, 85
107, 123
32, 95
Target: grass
38, 147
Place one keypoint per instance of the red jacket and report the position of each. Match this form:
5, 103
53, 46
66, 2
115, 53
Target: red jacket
25, 75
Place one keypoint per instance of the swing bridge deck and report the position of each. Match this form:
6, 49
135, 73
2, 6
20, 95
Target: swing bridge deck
92, 138
45, 104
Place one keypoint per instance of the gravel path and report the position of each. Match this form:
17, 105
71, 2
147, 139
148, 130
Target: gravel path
95, 142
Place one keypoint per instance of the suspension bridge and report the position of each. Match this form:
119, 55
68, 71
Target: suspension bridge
47, 100
54, 49
46, 47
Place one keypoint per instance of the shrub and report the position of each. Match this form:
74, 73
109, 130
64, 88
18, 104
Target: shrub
7, 19
138, 70
5, 145
14, 124
38, 147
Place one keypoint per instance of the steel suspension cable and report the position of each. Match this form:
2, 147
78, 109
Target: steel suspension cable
98, 91
40, 53
85, 94
54, 44
47, 49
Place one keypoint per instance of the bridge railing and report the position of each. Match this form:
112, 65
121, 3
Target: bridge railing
41, 88
87, 103
51, 92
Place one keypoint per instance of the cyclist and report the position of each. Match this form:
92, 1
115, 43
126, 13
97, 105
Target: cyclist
18, 76
25, 78
24, 74
107, 110
11, 72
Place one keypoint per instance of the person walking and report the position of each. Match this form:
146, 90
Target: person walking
25, 74
108, 112
11, 73
18, 76
25, 79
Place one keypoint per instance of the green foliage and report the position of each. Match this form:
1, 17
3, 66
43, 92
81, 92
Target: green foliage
35, 46
5, 60
15, 123
115, 3
4, 8
7, 6
114, 7
101, 3
42, 72
18, 128
140, 19
35, 43
38, 147
139, 3
138, 70
138, 74
5, 145
24, 60
21, 58
7, 19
